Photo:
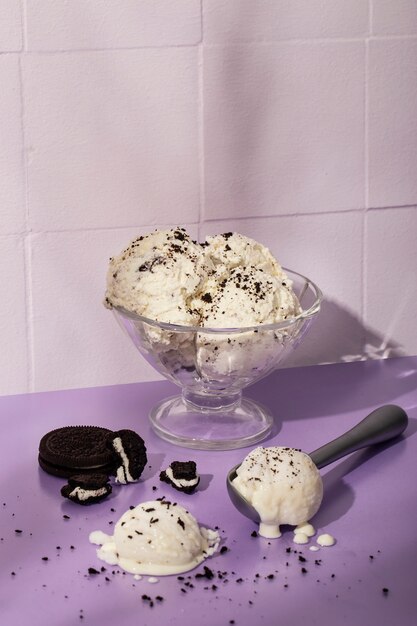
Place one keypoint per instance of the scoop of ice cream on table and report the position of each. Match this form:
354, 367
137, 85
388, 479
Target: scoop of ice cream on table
156, 538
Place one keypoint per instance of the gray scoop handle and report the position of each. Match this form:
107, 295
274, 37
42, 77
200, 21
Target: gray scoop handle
384, 423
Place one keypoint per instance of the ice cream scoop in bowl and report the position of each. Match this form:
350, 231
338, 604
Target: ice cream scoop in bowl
279, 485
212, 366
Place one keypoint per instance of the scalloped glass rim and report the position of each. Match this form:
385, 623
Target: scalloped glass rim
312, 310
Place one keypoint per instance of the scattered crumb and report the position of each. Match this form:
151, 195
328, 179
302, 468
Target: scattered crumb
93, 571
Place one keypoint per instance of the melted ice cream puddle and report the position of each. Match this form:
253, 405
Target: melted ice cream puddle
326, 540
156, 538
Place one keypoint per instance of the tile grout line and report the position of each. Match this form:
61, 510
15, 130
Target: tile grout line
294, 215
97, 229
367, 171
367, 74
200, 129
27, 251
248, 43
201, 159
112, 49
24, 25
388, 208
308, 40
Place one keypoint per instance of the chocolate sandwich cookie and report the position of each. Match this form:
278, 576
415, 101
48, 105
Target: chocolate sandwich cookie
182, 475
87, 488
76, 450
130, 456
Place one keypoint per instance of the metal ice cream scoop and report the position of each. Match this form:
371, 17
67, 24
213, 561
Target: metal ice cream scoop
384, 423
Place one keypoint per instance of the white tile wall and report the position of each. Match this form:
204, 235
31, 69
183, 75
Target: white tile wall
292, 122
390, 303
11, 21
104, 151
14, 354
12, 187
271, 20
397, 17
96, 24
284, 128
392, 122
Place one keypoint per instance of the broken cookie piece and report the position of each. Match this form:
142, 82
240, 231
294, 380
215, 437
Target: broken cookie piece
182, 475
130, 455
87, 488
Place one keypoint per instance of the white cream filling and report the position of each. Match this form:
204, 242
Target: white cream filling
180, 482
84, 494
123, 473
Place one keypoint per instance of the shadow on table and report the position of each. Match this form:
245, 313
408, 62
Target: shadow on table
205, 480
153, 466
338, 495
332, 389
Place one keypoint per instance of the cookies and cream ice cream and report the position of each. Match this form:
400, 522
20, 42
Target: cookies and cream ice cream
228, 281
282, 484
156, 538
238, 297
157, 275
244, 296
232, 250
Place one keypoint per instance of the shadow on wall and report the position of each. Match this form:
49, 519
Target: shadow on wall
338, 335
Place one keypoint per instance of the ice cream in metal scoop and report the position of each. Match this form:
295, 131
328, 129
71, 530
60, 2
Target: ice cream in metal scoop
279, 485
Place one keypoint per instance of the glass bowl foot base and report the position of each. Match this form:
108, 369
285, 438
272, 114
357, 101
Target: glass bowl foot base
187, 425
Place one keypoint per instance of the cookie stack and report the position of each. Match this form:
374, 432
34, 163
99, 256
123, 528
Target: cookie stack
88, 455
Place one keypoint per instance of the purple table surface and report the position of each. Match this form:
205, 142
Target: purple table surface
370, 506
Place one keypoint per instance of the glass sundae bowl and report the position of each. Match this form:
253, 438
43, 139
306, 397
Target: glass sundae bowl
212, 366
